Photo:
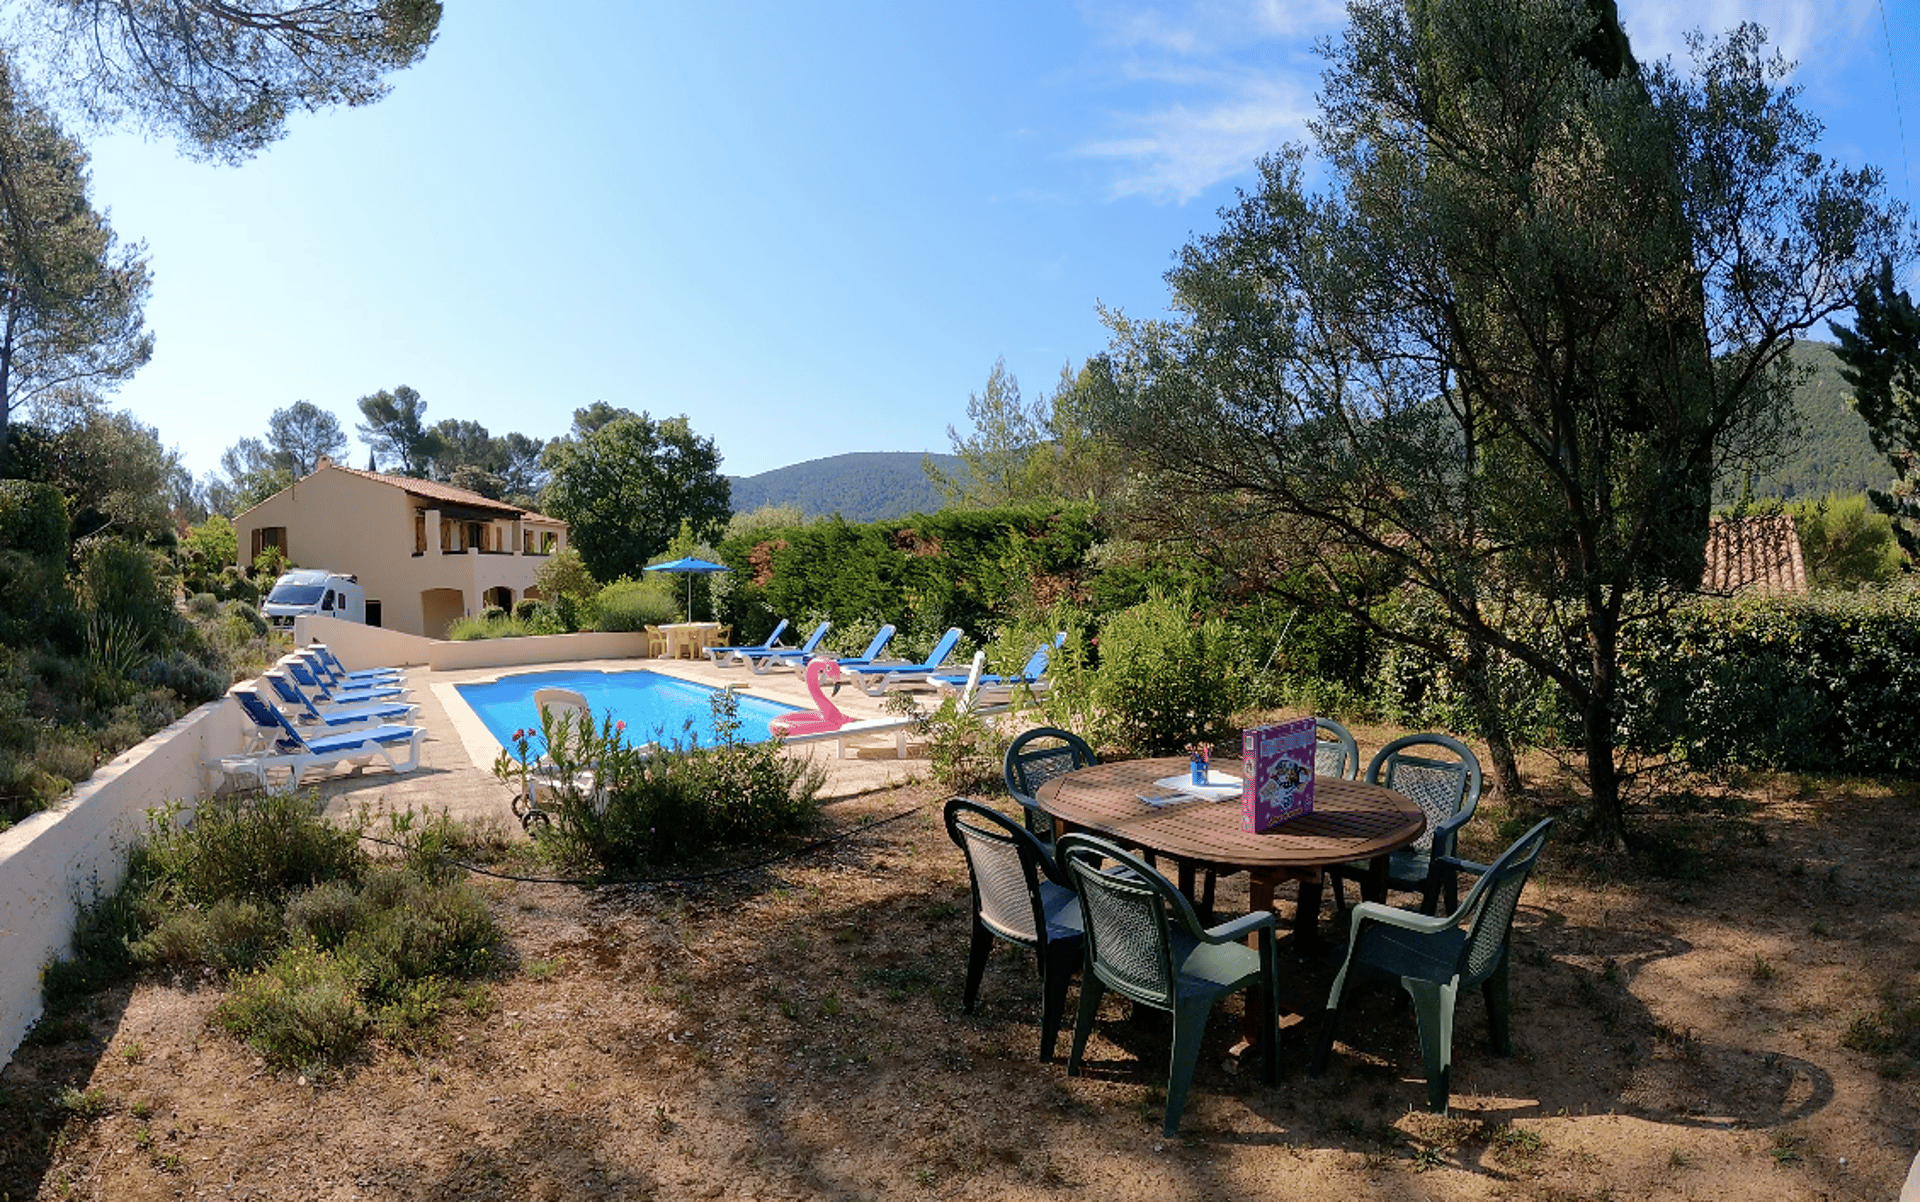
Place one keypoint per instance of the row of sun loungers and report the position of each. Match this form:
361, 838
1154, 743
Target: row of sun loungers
876, 674
309, 712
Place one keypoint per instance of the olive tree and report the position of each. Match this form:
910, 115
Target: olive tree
1496, 361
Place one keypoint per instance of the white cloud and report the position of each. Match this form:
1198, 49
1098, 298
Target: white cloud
1179, 152
1234, 79
1796, 28
1226, 111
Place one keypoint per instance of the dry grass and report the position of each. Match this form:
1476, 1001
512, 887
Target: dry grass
797, 1033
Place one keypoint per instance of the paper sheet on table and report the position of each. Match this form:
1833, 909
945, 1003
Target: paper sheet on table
1175, 789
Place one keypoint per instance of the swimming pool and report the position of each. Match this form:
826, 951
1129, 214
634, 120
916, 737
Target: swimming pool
655, 708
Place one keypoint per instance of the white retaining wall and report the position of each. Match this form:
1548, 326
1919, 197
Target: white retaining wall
55, 859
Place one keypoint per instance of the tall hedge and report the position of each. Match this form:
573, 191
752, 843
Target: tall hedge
958, 567
1824, 683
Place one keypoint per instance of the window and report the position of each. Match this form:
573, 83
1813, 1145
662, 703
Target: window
419, 532
373, 612
270, 536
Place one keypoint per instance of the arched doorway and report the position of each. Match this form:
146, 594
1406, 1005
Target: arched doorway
439, 609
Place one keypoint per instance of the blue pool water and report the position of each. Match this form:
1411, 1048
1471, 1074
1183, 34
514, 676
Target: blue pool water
655, 708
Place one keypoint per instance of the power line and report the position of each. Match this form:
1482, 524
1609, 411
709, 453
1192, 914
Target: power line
1893, 73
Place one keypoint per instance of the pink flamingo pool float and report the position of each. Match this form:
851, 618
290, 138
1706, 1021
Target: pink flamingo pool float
824, 720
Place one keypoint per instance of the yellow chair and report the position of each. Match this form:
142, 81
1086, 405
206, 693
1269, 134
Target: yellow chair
658, 644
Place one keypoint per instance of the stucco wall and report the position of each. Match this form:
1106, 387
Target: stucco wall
51, 860
344, 522
364, 647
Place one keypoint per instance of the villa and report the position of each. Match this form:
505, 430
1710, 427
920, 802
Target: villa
426, 553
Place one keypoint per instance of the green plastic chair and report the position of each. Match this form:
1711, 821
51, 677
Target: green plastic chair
1336, 757
1035, 757
1435, 960
1442, 775
1144, 941
1020, 896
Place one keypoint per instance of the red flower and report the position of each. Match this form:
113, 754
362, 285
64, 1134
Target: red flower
519, 735
620, 726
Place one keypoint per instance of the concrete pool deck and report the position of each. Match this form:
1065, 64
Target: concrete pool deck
456, 758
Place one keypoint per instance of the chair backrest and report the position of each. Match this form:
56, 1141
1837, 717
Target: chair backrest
556, 704
1129, 918
302, 671
773, 639
285, 689
1493, 901
879, 643
813, 640
320, 667
943, 648
267, 718
1035, 757
1036, 665
1336, 756
1439, 772
1005, 864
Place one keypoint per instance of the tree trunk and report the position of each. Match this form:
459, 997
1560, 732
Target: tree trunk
1490, 715
1603, 772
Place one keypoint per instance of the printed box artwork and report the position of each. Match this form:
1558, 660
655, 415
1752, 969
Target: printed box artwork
1277, 762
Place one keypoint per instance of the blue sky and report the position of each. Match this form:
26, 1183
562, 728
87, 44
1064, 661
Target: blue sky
809, 227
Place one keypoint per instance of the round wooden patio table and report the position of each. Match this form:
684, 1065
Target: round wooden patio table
1351, 820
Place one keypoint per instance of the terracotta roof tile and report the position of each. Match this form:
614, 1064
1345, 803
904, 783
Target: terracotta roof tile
433, 490
1754, 555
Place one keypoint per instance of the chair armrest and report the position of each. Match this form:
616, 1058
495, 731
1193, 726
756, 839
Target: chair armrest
1444, 832
1393, 916
1460, 865
1239, 928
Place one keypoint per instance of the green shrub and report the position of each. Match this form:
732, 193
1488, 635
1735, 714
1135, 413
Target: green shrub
33, 520
203, 605
192, 681
263, 846
243, 619
327, 914
123, 585
566, 584
1845, 542
671, 803
493, 623
301, 1010
628, 605
1167, 679
412, 930
232, 934
538, 616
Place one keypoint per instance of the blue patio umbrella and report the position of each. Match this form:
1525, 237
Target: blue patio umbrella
691, 567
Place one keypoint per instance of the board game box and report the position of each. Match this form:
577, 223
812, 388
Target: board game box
1277, 774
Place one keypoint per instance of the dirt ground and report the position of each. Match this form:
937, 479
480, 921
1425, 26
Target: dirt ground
796, 1032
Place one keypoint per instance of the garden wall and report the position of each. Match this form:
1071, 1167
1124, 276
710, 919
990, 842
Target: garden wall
54, 859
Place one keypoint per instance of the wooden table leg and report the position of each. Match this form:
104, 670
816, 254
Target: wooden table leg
1306, 915
1373, 886
1260, 886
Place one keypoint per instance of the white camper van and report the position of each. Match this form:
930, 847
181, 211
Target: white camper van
314, 591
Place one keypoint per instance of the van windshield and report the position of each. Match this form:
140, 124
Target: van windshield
295, 594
